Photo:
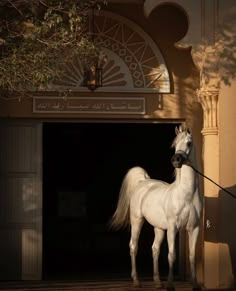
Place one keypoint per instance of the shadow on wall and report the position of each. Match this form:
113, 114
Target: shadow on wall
227, 32
220, 217
221, 65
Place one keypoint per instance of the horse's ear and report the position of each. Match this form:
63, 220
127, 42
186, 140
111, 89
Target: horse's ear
177, 130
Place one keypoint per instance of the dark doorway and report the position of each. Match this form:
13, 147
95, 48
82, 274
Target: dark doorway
83, 167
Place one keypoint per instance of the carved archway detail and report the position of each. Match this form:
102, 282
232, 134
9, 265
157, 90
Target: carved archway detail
133, 60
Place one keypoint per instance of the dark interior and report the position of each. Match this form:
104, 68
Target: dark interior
83, 167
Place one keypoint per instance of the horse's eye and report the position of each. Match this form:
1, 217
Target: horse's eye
189, 143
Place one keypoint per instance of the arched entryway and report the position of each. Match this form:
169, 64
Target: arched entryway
83, 167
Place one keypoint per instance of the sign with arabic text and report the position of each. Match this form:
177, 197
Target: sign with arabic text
111, 105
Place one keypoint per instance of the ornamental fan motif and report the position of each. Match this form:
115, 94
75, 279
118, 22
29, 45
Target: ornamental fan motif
133, 62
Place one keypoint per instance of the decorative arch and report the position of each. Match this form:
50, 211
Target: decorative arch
133, 60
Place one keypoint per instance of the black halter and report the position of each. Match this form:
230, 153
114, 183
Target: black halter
180, 158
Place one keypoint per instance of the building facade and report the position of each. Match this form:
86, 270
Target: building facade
167, 62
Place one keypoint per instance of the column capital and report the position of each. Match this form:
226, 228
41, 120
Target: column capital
208, 97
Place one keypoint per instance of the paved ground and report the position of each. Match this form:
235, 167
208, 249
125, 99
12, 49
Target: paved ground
120, 285
111, 285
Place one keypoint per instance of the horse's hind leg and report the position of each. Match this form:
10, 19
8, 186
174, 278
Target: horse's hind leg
193, 235
136, 225
159, 235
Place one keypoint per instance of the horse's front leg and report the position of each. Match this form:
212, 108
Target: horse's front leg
193, 235
159, 235
136, 225
171, 232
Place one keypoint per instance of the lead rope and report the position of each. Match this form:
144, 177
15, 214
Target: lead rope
228, 192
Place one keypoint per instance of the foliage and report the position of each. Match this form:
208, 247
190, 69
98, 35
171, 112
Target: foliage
38, 37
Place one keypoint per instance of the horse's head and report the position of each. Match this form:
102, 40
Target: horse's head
183, 144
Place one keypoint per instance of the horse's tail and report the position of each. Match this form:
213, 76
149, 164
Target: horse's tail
133, 177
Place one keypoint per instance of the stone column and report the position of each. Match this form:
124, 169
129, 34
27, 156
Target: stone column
208, 98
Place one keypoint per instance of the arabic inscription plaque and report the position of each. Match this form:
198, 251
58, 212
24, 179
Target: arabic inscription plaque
115, 105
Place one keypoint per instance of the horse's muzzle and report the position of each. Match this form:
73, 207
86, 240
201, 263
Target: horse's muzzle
178, 160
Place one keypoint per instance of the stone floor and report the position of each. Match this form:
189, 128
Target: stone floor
100, 285
119, 285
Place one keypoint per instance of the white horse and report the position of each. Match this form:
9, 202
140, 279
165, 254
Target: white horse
165, 206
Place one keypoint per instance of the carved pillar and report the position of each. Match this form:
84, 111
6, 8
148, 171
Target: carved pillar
209, 101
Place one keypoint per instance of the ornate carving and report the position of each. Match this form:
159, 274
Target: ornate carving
133, 60
209, 88
209, 101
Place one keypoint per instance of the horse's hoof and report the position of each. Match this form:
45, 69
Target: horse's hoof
158, 285
195, 285
196, 288
170, 286
136, 284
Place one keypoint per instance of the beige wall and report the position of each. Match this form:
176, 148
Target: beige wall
227, 150
227, 205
